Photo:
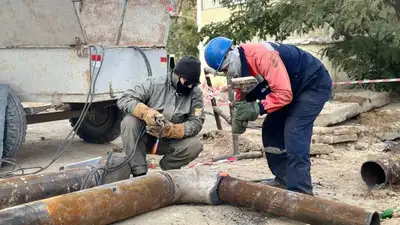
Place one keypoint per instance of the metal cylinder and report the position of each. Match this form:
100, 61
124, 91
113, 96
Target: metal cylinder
99, 205
381, 171
24, 189
19, 190
120, 200
292, 205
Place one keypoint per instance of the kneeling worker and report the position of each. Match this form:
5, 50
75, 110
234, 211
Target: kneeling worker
175, 97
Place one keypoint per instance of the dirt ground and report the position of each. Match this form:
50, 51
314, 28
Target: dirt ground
335, 176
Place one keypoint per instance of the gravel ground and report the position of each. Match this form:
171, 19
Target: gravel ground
335, 176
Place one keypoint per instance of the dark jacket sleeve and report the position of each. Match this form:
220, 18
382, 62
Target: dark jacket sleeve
196, 118
139, 93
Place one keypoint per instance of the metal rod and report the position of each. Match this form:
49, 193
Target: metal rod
214, 103
53, 116
292, 205
381, 171
93, 161
242, 155
235, 137
219, 112
228, 119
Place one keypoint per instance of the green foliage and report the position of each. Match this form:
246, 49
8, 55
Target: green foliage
366, 33
183, 37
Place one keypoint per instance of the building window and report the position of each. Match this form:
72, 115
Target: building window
212, 4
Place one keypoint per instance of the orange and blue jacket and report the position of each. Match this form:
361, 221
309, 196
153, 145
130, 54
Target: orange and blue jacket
286, 69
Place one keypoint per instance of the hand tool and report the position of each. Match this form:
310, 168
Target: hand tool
159, 121
245, 85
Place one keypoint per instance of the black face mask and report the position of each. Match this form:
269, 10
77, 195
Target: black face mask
182, 89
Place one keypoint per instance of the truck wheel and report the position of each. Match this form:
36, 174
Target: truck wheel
101, 124
15, 125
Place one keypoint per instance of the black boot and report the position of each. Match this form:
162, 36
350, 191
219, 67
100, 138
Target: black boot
138, 175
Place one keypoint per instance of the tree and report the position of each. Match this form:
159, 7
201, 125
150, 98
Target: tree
183, 37
365, 32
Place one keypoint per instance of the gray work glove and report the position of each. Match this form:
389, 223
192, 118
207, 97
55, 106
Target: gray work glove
239, 126
247, 111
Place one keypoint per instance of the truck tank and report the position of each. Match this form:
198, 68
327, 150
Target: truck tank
65, 53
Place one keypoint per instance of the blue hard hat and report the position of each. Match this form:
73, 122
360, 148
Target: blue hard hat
215, 51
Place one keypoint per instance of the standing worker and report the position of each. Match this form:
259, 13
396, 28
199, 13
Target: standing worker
178, 99
292, 91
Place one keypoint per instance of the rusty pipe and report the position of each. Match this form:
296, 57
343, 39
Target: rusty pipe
120, 200
99, 205
292, 205
117, 201
20, 190
381, 171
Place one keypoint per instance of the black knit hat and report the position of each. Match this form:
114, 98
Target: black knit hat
188, 67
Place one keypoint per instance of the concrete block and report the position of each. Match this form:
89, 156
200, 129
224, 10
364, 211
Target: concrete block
388, 133
339, 130
366, 99
321, 149
349, 104
334, 139
336, 112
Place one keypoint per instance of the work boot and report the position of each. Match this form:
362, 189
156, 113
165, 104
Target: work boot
274, 182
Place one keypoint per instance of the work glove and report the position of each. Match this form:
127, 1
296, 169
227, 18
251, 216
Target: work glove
146, 113
169, 130
246, 111
239, 126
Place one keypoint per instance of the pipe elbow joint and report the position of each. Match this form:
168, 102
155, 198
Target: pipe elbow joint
195, 186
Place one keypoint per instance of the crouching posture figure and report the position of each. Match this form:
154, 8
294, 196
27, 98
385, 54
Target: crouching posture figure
293, 88
178, 98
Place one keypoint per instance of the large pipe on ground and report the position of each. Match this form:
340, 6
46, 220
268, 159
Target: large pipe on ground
380, 172
304, 208
124, 199
24, 189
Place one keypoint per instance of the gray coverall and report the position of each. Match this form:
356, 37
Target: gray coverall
160, 94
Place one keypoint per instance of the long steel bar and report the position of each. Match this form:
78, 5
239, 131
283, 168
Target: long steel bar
292, 205
120, 200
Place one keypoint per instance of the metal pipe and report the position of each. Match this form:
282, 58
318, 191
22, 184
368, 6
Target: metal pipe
19, 190
24, 189
381, 171
300, 207
99, 205
116, 201
120, 200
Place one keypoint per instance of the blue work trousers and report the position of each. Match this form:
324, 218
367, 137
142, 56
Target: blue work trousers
288, 131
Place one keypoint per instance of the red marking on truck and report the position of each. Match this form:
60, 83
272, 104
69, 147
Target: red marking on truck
96, 57
169, 8
163, 59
